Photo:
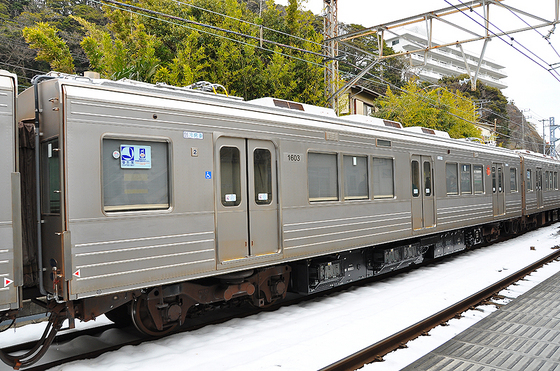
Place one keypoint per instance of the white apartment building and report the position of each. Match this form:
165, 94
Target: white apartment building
445, 61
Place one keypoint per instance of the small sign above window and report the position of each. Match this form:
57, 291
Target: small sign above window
136, 157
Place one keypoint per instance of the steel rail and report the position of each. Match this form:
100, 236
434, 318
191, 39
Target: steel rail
375, 352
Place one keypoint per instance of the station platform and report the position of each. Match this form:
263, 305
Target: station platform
522, 335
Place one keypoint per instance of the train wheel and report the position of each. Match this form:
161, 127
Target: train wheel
144, 323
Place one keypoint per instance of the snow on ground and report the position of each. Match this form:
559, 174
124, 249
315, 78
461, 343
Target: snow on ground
316, 333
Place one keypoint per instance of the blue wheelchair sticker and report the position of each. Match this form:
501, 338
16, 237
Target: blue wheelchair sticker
208, 175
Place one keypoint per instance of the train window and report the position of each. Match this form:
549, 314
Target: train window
555, 180
513, 179
493, 179
500, 180
355, 177
466, 183
478, 179
415, 168
383, 183
322, 175
427, 179
230, 176
451, 178
529, 180
262, 162
135, 175
51, 182
550, 181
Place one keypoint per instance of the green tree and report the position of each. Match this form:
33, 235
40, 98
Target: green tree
436, 108
182, 50
490, 102
51, 48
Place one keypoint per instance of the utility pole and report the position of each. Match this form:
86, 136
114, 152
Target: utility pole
331, 50
553, 139
551, 129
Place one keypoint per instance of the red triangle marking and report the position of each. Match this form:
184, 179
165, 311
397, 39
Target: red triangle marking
7, 281
77, 274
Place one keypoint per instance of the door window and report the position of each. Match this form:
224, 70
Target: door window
427, 179
493, 179
415, 178
500, 180
262, 166
230, 175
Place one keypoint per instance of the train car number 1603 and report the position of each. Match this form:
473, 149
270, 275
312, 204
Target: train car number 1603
293, 157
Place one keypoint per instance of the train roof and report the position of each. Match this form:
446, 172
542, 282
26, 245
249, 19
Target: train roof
277, 111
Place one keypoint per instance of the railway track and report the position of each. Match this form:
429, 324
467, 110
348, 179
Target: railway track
128, 336
377, 351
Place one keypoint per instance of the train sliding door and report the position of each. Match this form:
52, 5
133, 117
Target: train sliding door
247, 207
423, 201
498, 195
539, 187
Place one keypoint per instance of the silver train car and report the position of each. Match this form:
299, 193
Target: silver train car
144, 202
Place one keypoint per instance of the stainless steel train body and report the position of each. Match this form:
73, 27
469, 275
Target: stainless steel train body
145, 187
10, 218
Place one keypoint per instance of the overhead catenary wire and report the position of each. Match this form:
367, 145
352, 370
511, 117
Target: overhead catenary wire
215, 28
555, 75
247, 22
547, 38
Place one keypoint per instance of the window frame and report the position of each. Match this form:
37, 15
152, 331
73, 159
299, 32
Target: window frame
137, 208
346, 197
337, 176
373, 175
469, 172
477, 192
529, 180
511, 189
447, 183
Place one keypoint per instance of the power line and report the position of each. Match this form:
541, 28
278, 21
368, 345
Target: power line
247, 22
214, 28
547, 38
505, 41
